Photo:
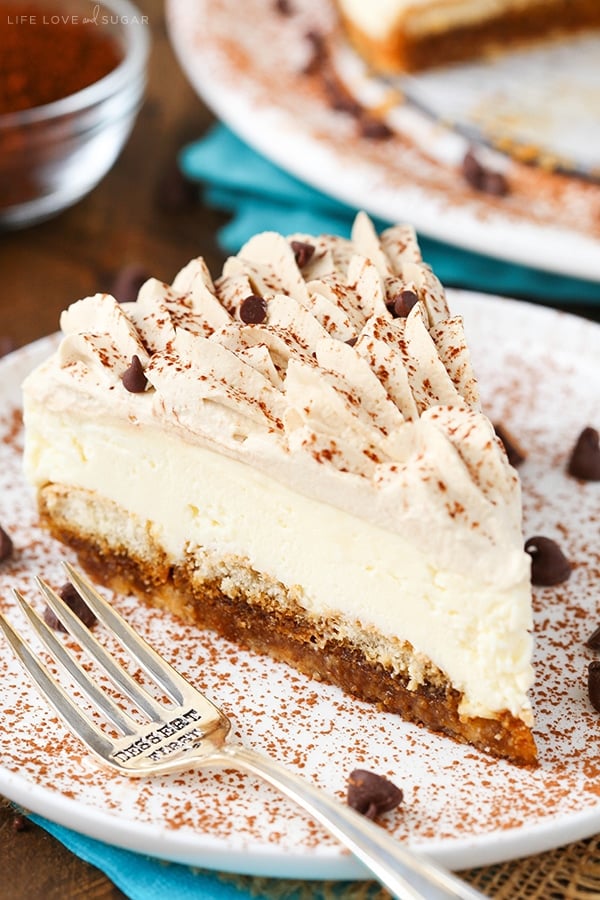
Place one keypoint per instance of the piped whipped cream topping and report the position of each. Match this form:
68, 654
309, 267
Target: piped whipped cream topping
332, 393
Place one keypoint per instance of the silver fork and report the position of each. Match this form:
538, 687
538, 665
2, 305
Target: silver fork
192, 731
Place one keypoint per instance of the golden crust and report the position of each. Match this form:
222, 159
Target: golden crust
238, 604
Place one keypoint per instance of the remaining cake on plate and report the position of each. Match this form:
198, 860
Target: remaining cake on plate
294, 455
409, 35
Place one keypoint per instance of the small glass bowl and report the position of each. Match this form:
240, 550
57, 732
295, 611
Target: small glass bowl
53, 155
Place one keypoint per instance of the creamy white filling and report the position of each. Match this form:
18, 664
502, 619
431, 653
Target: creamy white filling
473, 631
420, 17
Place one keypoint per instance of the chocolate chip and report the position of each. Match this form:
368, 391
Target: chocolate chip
284, 7
253, 310
52, 621
472, 169
584, 462
401, 304
174, 192
76, 603
6, 545
342, 100
594, 683
515, 454
20, 822
351, 341
319, 53
303, 252
481, 178
372, 794
7, 345
338, 96
593, 642
494, 183
548, 563
317, 41
128, 281
374, 129
133, 378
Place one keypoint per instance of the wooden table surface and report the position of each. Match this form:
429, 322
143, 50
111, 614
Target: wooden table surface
136, 217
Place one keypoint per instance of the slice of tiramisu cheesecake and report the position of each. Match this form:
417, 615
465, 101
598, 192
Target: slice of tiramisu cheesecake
294, 455
411, 35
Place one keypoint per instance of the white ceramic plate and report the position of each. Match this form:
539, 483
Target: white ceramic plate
539, 372
247, 63
545, 97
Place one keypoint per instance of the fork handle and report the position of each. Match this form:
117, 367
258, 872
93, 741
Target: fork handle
407, 875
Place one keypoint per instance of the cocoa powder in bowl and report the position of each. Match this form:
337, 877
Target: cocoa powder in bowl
71, 81
47, 56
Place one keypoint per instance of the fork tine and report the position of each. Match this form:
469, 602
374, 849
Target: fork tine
158, 668
124, 681
110, 709
80, 724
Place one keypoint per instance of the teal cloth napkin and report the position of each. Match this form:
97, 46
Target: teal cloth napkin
262, 197
146, 878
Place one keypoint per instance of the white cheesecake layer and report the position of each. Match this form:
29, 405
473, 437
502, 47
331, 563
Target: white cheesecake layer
475, 632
